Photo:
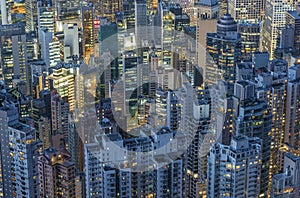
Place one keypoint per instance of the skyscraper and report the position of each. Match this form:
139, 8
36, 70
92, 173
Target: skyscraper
108, 8
207, 14
60, 120
19, 149
56, 174
274, 22
243, 10
287, 183
62, 79
110, 175
13, 54
141, 22
71, 41
250, 36
87, 24
292, 127
234, 171
252, 118
293, 21
223, 50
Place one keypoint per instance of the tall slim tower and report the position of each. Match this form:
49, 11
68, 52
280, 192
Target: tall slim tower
87, 20
223, 50
292, 126
252, 118
207, 15
140, 21
3, 12
13, 56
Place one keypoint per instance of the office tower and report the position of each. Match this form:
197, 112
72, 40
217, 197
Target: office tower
13, 54
129, 14
18, 156
30, 15
274, 22
250, 38
108, 8
260, 60
46, 37
234, 171
207, 14
141, 31
131, 62
293, 21
71, 41
292, 126
252, 118
108, 38
286, 41
45, 17
287, 183
32, 45
109, 46
167, 28
223, 52
4, 13
54, 52
180, 18
87, 24
56, 174
62, 79
242, 10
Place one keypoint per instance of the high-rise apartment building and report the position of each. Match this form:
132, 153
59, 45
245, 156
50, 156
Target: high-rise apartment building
56, 174
287, 183
110, 175
234, 170
19, 150
31, 15
60, 120
252, 118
